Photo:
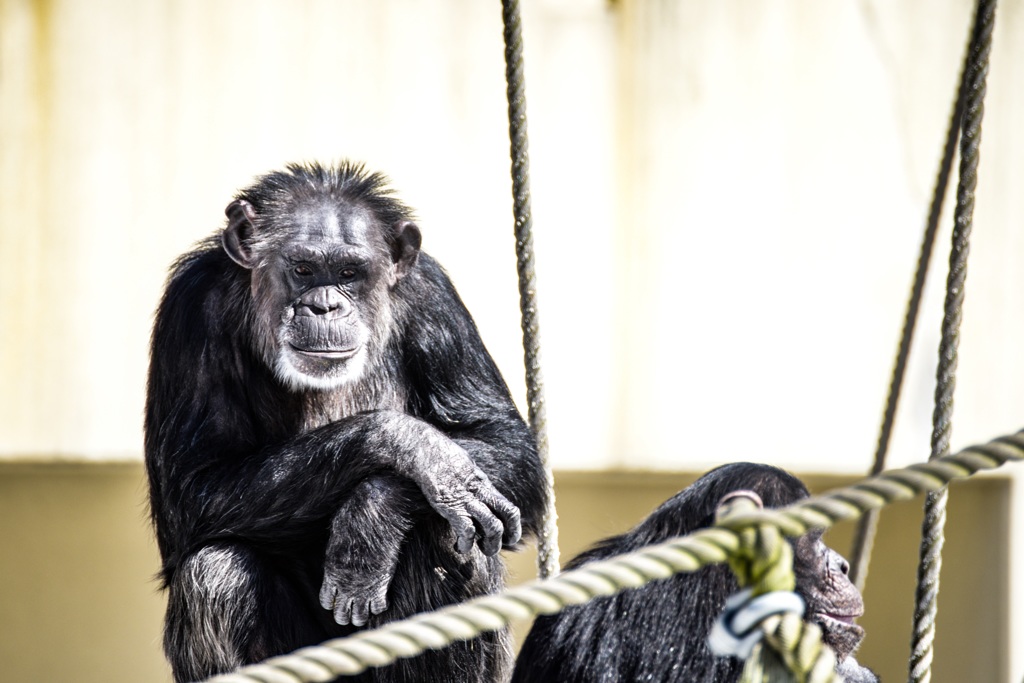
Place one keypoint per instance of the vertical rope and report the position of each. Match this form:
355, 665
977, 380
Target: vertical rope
864, 538
547, 544
935, 504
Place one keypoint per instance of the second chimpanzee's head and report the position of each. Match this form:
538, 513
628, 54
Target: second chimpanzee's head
822, 574
324, 248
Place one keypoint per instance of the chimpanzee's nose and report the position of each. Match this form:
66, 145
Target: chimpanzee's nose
327, 302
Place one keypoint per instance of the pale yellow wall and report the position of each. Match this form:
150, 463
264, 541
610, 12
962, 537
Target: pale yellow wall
78, 601
728, 197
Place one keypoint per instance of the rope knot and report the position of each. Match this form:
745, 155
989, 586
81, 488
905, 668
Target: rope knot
767, 609
741, 625
764, 559
763, 563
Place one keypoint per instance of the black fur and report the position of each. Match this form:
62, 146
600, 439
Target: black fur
659, 632
249, 479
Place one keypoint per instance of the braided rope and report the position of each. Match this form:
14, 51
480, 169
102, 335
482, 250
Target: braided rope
795, 652
547, 542
763, 561
435, 630
932, 539
791, 649
864, 536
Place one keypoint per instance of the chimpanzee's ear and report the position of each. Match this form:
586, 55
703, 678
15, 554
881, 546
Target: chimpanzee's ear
237, 236
742, 493
406, 248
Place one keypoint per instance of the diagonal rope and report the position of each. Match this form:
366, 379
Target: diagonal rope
547, 542
864, 537
935, 505
438, 629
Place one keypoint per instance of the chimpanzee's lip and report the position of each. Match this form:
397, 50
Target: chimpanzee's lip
838, 623
332, 354
841, 618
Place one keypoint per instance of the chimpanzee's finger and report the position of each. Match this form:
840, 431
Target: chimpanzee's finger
327, 593
360, 613
491, 529
464, 530
502, 507
508, 513
343, 610
379, 604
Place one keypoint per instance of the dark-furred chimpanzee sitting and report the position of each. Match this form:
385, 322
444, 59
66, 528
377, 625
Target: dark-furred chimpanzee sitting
328, 443
659, 632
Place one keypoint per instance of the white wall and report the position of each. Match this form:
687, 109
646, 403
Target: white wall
728, 201
126, 128
780, 160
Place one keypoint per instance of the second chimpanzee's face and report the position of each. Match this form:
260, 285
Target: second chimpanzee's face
833, 601
321, 276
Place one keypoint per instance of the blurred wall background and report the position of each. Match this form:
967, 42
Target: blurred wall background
728, 198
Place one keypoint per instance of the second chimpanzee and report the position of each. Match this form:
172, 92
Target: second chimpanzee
328, 442
659, 632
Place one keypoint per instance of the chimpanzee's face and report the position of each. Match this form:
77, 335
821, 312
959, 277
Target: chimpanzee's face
833, 601
321, 281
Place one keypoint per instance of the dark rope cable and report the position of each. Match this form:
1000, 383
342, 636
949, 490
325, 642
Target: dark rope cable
926, 605
864, 538
547, 543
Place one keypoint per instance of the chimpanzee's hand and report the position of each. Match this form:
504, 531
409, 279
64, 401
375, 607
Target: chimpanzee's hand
451, 482
354, 591
362, 552
461, 493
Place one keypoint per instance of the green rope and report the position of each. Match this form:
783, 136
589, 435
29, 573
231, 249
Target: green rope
792, 650
435, 630
763, 561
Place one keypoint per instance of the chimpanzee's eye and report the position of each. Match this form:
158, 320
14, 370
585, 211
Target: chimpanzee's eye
302, 270
348, 273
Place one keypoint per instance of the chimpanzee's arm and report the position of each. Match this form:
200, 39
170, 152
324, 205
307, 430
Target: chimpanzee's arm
366, 539
282, 492
461, 392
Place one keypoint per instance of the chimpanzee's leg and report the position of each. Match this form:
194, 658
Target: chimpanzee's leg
228, 607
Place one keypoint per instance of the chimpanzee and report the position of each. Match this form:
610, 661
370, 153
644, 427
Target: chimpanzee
659, 632
329, 444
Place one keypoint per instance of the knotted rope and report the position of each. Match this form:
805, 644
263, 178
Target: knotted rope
790, 649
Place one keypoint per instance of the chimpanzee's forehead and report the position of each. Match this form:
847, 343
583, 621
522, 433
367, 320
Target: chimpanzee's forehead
333, 222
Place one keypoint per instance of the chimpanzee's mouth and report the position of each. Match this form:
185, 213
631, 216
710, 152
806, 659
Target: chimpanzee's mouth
329, 354
838, 626
841, 618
